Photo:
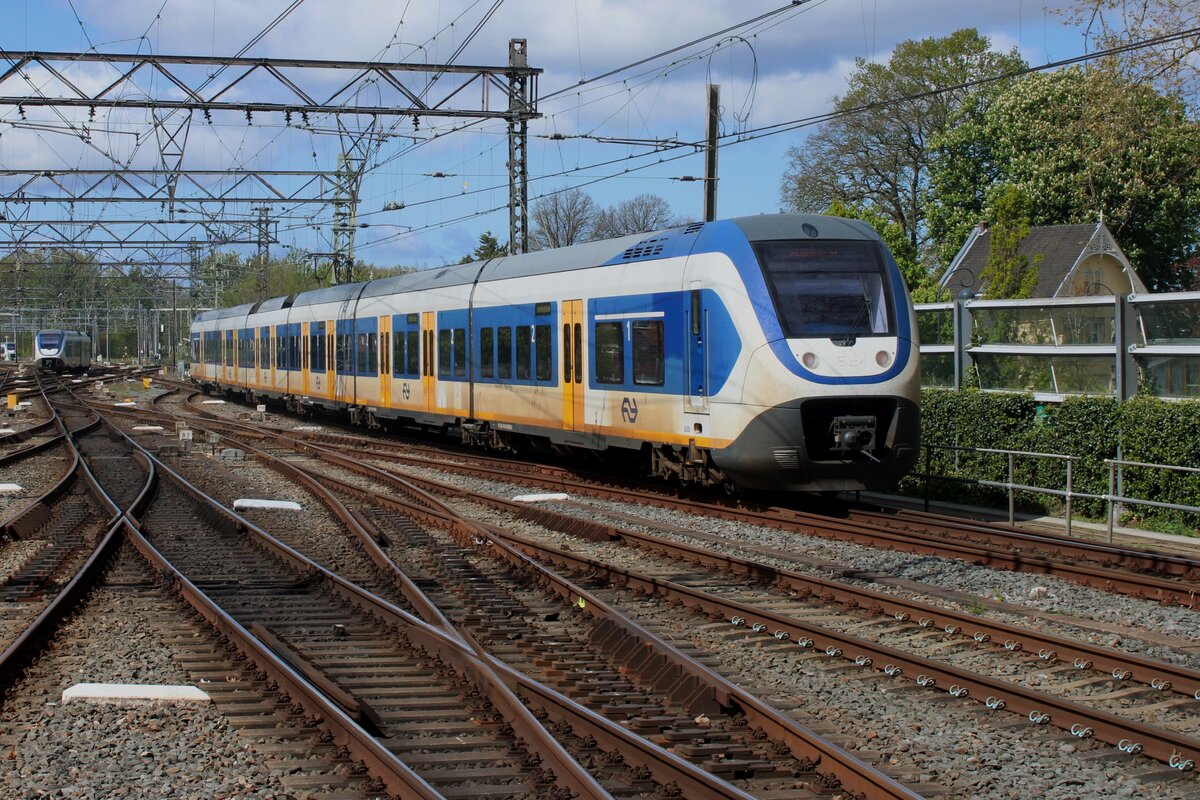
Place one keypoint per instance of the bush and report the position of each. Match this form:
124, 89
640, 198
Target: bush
1146, 429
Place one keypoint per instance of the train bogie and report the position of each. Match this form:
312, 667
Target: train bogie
771, 352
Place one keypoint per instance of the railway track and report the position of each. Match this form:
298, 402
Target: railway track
1129, 735
1164, 577
772, 765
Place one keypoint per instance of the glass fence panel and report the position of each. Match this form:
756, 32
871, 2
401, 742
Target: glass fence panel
1012, 326
937, 370
1085, 374
936, 326
1082, 325
1014, 373
1171, 376
1171, 323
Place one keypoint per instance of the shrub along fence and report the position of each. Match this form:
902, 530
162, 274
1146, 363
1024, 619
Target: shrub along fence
1146, 429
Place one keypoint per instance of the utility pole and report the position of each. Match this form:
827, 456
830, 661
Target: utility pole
264, 251
518, 137
710, 152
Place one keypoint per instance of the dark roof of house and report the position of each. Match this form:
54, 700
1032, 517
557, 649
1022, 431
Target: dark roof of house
1058, 245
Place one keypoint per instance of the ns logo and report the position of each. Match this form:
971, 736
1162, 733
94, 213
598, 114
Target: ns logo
629, 410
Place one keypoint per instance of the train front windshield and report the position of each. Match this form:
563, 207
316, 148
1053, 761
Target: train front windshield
828, 288
49, 341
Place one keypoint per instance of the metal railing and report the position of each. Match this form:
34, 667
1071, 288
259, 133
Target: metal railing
1113, 498
1095, 345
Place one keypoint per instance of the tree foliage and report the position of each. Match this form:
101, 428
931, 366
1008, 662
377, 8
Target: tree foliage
1009, 273
1174, 66
646, 212
1080, 144
562, 219
875, 153
489, 247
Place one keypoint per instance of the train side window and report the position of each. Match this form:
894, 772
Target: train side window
460, 352
578, 352
542, 351
648, 353
412, 356
372, 354
397, 352
610, 353
444, 352
524, 347
294, 352
504, 353
487, 353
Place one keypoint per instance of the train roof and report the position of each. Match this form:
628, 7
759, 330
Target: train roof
765, 227
224, 313
646, 246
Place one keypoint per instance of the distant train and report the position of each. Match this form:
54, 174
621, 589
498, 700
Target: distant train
62, 351
770, 352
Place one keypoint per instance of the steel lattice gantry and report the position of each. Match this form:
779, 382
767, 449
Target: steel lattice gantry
187, 85
298, 79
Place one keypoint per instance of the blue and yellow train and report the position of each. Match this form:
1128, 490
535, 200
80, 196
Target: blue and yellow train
770, 352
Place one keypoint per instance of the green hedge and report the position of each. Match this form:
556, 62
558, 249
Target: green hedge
1146, 429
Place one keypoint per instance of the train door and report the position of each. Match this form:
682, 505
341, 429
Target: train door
697, 352
305, 363
428, 365
385, 361
344, 362
330, 357
573, 367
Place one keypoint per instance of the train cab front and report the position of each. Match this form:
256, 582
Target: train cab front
836, 386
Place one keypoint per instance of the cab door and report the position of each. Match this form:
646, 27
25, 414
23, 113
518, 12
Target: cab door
385, 361
428, 365
573, 366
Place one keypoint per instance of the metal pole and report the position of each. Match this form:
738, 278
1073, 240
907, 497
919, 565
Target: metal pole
518, 136
1112, 485
928, 474
1068, 497
1012, 516
710, 152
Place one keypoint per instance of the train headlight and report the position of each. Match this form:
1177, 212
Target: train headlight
810, 360
883, 358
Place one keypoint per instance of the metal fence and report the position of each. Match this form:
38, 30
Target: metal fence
1055, 347
1113, 499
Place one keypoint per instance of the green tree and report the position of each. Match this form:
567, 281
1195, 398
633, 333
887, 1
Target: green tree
875, 153
1080, 144
1172, 66
489, 247
1008, 273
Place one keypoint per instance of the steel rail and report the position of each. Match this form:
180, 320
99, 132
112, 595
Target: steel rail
689, 681
29, 643
470, 659
979, 541
1158, 743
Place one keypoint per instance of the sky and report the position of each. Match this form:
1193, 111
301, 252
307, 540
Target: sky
786, 67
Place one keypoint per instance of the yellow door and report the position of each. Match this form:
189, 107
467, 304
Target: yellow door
385, 362
330, 342
573, 366
304, 363
428, 364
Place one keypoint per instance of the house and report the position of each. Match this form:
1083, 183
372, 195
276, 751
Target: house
1076, 260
